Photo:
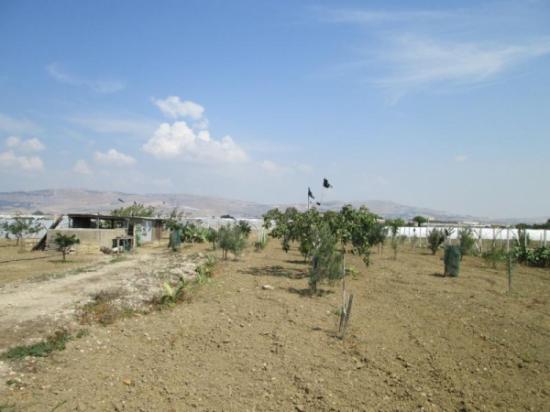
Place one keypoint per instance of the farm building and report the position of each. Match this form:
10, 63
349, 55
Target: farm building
97, 231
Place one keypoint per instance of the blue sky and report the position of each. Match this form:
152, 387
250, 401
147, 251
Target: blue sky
437, 104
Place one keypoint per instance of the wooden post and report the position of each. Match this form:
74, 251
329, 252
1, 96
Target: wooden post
509, 259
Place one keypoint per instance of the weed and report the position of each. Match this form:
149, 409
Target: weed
4, 407
82, 333
261, 243
103, 309
206, 270
350, 270
172, 295
55, 342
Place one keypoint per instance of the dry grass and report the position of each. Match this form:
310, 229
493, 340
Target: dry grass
104, 309
21, 264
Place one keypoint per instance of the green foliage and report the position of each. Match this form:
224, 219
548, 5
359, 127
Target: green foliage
21, 227
420, 220
231, 239
356, 226
245, 228
282, 225
182, 232
261, 243
436, 237
206, 269
137, 209
212, 237
545, 225
327, 262
65, 242
192, 233
495, 254
452, 258
467, 241
394, 225
538, 257
138, 235
56, 342
173, 295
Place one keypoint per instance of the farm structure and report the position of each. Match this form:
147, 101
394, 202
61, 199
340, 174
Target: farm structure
108, 231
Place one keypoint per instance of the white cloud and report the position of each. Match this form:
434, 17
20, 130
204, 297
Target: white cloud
114, 158
460, 158
82, 167
173, 107
103, 86
29, 145
10, 160
192, 143
179, 140
12, 125
418, 61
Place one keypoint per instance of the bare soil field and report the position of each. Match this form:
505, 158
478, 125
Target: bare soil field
416, 341
18, 263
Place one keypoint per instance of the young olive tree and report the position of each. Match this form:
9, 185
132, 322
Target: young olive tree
65, 243
436, 237
212, 237
244, 227
394, 225
364, 232
327, 261
420, 220
467, 241
231, 239
20, 227
281, 225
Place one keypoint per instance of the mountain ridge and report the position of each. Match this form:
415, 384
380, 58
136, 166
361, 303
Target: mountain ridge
57, 201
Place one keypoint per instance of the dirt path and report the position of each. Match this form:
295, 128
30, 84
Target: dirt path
32, 310
417, 341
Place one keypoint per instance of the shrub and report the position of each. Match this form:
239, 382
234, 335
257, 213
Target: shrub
436, 237
539, 257
466, 241
231, 239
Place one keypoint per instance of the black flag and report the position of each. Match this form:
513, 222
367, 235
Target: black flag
310, 194
326, 184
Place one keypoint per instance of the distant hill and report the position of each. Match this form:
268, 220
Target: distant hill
57, 201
